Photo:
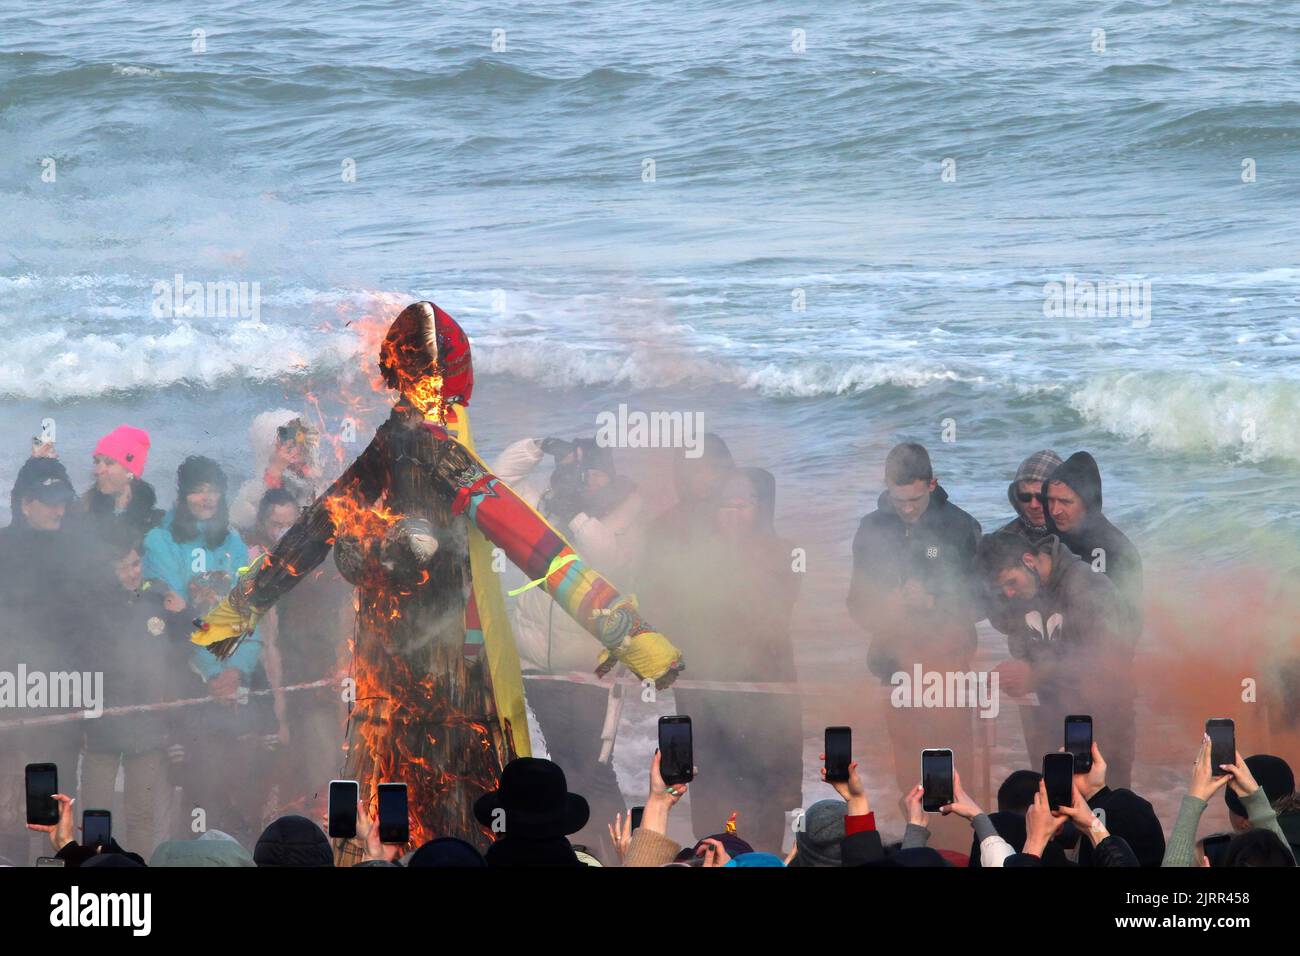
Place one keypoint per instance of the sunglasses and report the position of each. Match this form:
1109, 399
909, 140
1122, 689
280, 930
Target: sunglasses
1024, 497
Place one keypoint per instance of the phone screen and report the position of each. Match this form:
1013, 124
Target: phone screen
1078, 741
936, 778
96, 828
636, 816
1223, 743
1058, 775
394, 820
676, 751
838, 753
343, 808
42, 785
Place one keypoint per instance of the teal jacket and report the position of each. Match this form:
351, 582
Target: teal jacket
173, 562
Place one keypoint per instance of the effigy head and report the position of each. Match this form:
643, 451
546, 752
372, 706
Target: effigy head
425, 356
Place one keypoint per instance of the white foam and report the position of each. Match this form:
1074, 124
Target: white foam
1251, 419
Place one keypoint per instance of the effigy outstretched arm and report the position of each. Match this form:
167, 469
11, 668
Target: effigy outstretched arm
534, 546
303, 547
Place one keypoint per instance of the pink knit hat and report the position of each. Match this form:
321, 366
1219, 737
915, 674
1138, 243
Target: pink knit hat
127, 446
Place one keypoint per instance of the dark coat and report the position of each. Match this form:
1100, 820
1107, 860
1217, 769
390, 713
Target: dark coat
938, 551
1096, 538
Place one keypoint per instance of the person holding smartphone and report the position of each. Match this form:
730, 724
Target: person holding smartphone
731, 595
1208, 780
51, 582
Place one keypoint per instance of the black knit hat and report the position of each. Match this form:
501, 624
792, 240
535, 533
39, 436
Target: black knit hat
44, 479
1272, 773
198, 470
293, 841
445, 852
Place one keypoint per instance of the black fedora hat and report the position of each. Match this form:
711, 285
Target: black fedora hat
535, 802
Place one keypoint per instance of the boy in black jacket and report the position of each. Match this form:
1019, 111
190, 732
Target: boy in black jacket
914, 592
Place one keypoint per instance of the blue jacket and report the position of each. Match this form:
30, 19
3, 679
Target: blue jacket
172, 562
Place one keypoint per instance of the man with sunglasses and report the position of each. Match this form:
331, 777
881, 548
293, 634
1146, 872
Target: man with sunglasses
1026, 496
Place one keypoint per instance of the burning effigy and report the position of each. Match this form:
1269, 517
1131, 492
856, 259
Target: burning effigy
413, 522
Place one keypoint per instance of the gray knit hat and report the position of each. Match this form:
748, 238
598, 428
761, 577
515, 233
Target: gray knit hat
818, 840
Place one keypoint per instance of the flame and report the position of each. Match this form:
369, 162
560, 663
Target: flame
407, 701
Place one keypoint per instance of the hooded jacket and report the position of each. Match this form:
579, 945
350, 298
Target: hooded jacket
1096, 538
1034, 468
1077, 615
938, 550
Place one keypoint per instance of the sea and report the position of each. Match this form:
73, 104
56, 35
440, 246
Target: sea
825, 228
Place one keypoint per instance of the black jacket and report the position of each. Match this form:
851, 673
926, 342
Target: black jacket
1112, 851
1096, 538
140, 515
939, 552
143, 651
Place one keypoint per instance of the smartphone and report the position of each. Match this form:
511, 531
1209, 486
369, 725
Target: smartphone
1223, 743
636, 816
344, 795
42, 785
1058, 775
676, 751
394, 816
1078, 741
49, 861
839, 753
96, 828
936, 779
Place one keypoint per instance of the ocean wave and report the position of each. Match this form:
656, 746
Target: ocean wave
59, 365
1247, 419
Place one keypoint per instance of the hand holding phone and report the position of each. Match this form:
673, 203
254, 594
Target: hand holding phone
936, 779
1078, 741
1223, 743
838, 754
676, 750
1058, 776
394, 814
344, 795
96, 828
42, 785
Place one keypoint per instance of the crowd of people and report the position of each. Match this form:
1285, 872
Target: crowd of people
107, 581
535, 816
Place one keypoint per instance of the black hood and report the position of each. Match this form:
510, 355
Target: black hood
1081, 473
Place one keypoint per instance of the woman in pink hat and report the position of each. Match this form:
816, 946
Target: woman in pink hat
120, 494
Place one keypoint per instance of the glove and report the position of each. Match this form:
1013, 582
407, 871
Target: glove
224, 628
649, 655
